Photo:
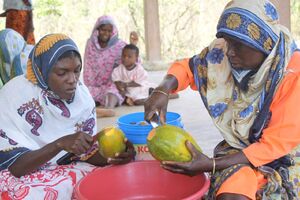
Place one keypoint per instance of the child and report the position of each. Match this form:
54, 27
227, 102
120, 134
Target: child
131, 78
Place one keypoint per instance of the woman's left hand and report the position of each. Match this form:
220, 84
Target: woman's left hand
199, 163
125, 157
133, 38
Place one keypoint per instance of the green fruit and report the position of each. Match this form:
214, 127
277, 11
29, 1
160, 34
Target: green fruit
111, 141
167, 143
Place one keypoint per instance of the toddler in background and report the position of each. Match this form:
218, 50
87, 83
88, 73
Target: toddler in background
131, 78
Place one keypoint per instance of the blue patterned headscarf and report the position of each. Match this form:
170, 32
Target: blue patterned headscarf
255, 23
45, 54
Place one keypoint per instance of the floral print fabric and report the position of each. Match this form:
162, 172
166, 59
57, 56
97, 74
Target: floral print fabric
33, 116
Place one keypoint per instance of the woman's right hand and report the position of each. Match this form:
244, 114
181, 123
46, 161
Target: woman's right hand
159, 98
156, 102
77, 143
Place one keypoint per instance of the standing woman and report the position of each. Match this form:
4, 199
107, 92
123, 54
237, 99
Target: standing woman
102, 54
18, 15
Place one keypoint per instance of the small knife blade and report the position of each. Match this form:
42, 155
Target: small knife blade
155, 120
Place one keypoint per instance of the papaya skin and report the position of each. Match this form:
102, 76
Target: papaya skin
111, 142
167, 143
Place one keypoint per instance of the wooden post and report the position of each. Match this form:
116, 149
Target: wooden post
152, 33
284, 9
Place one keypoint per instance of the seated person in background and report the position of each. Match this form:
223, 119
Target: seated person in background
102, 54
13, 55
131, 78
43, 115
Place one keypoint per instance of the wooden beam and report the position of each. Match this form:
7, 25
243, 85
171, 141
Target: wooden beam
284, 9
152, 33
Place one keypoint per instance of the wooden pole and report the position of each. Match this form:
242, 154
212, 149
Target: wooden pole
152, 32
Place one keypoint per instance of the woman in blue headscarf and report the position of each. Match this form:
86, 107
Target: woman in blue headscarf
45, 114
249, 80
13, 55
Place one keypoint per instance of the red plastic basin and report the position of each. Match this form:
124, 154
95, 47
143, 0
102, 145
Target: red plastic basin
140, 180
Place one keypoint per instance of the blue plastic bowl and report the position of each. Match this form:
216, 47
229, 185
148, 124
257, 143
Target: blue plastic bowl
136, 128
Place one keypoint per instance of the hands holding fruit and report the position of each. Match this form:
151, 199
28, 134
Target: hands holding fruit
177, 150
198, 164
114, 146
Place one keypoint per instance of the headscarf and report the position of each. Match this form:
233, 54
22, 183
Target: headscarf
103, 20
31, 115
254, 23
13, 54
45, 54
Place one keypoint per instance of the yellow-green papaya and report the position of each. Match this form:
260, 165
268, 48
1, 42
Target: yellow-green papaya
111, 141
167, 143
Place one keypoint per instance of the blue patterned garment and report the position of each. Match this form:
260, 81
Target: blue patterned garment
13, 55
241, 114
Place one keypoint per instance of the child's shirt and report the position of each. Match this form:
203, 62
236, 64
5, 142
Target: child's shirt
138, 75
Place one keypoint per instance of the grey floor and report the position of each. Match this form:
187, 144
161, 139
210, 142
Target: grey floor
189, 105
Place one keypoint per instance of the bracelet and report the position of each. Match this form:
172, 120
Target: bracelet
214, 166
160, 91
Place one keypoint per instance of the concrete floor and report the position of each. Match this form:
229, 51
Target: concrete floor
189, 105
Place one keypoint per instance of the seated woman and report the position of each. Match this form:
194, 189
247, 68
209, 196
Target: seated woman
249, 81
43, 115
102, 54
13, 55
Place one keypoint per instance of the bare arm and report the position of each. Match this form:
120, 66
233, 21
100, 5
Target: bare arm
168, 84
32, 160
132, 84
77, 143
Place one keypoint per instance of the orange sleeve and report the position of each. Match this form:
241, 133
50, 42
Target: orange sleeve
181, 70
283, 131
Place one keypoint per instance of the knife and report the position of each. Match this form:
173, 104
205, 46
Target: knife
155, 120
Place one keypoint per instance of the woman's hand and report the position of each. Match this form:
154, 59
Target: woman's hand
125, 157
156, 102
199, 163
3, 14
133, 38
77, 143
